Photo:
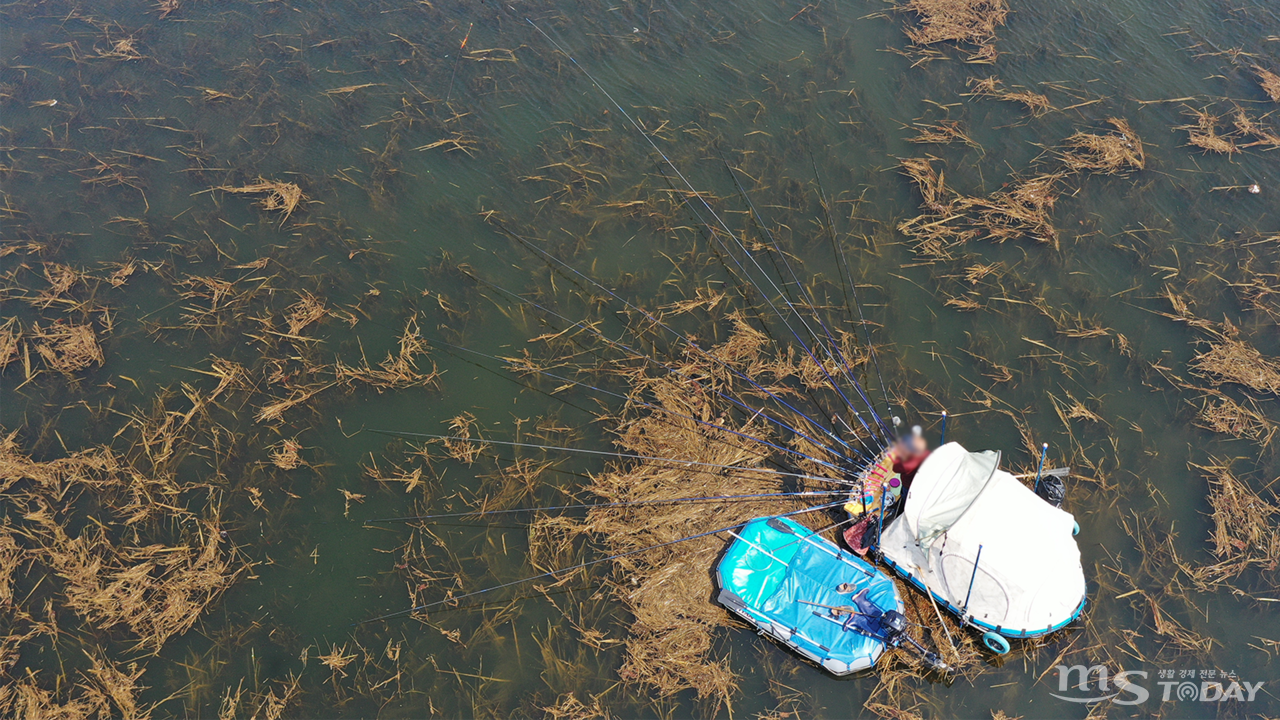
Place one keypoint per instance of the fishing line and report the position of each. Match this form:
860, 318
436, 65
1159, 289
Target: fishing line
610, 453
842, 361
579, 566
636, 503
457, 62
666, 327
848, 273
507, 376
693, 190
760, 413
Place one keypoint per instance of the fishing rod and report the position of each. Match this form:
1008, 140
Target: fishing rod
842, 362
635, 503
845, 280
847, 277
579, 566
657, 321
693, 190
807, 298
756, 412
862, 321
610, 453
549, 259
673, 413
448, 347
740, 284
714, 234
641, 355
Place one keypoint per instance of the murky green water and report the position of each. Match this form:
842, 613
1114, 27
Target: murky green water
781, 96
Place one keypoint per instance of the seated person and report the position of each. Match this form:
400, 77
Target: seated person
908, 454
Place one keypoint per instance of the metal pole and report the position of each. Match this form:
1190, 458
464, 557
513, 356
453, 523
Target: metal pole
1044, 450
942, 439
972, 577
880, 522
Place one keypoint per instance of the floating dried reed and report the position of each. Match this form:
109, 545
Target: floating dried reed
1246, 529
1204, 133
280, 196
1037, 103
307, 310
1230, 359
10, 342
1269, 81
966, 21
156, 591
1222, 414
930, 183
668, 590
67, 348
941, 133
1110, 154
569, 707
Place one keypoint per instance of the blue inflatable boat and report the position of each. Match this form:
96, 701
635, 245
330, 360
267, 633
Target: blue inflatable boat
800, 589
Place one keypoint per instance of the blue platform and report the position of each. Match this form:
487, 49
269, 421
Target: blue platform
775, 563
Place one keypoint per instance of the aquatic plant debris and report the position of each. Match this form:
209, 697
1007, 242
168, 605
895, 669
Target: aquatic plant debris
1231, 359
282, 197
969, 21
1110, 154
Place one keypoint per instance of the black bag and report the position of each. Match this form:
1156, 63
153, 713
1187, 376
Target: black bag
1052, 490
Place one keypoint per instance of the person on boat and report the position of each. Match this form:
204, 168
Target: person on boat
909, 454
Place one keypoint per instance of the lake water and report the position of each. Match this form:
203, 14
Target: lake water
413, 151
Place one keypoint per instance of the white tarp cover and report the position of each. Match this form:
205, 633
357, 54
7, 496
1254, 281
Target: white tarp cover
1029, 577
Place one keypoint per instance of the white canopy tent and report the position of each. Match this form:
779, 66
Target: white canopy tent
1029, 579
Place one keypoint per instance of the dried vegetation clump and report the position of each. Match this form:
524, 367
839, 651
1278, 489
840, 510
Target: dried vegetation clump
1111, 154
1246, 530
67, 348
124, 540
103, 691
569, 707
1228, 129
1022, 209
942, 133
1269, 81
1222, 414
115, 540
157, 591
279, 196
1253, 130
991, 87
668, 590
1204, 133
1230, 359
972, 22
